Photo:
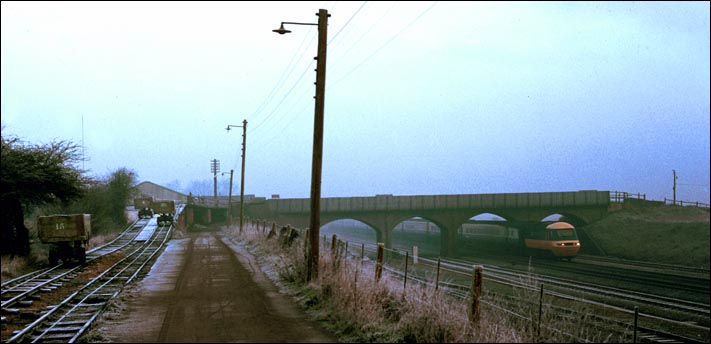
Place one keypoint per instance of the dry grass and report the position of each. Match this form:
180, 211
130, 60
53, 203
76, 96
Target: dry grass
16, 266
12, 266
100, 239
348, 300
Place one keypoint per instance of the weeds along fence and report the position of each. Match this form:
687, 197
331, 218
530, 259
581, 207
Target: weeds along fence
477, 302
464, 285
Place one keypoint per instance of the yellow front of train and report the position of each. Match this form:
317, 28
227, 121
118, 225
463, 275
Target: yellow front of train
563, 240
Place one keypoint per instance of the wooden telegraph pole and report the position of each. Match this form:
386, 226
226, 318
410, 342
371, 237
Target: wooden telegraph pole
241, 186
241, 192
229, 201
215, 167
674, 188
315, 217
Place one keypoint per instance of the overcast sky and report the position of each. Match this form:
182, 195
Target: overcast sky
422, 98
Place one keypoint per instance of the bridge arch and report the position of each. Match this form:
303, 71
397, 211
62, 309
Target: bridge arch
448, 212
353, 218
482, 230
350, 229
417, 231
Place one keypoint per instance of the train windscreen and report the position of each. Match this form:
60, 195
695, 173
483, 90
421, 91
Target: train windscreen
563, 234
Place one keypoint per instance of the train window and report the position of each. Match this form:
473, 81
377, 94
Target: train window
563, 234
538, 235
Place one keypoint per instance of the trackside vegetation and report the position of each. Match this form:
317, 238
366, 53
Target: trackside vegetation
44, 180
348, 299
662, 234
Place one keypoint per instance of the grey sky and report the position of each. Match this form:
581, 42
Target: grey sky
421, 97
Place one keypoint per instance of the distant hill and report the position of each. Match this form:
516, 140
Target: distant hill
665, 234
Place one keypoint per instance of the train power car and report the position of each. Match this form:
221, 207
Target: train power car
144, 206
557, 239
166, 209
67, 236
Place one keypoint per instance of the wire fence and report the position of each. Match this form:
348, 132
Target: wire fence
371, 263
622, 197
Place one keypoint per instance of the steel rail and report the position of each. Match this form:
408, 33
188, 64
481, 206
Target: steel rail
90, 301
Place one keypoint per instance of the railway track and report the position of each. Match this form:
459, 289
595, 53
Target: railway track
662, 319
21, 289
671, 269
682, 282
109, 268
660, 279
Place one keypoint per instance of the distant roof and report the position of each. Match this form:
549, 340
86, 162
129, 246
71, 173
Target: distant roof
143, 186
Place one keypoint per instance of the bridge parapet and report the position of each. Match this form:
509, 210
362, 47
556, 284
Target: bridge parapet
446, 202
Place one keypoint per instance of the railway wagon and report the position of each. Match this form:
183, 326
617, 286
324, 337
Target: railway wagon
144, 206
166, 209
67, 236
557, 239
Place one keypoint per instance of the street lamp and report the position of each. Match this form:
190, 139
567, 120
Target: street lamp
314, 219
241, 187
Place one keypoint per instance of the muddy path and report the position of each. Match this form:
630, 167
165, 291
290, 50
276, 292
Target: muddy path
207, 289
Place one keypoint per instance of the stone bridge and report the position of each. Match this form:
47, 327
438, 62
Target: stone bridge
384, 212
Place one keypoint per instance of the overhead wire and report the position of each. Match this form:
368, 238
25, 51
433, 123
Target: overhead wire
283, 98
332, 39
371, 27
301, 57
298, 82
347, 22
386, 43
282, 79
267, 138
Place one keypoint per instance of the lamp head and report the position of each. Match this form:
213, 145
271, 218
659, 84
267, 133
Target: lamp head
281, 30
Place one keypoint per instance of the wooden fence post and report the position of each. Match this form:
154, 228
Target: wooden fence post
636, 315
476, 294
404, 283
540, 312
272, 232
287, 235
307, 247
333, 245
437, 280
379, 264
355, 287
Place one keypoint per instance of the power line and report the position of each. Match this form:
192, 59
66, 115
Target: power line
285, 75
266, 138
371, 27
302, 75
283, 98
346, 24
269, 139
387, 43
